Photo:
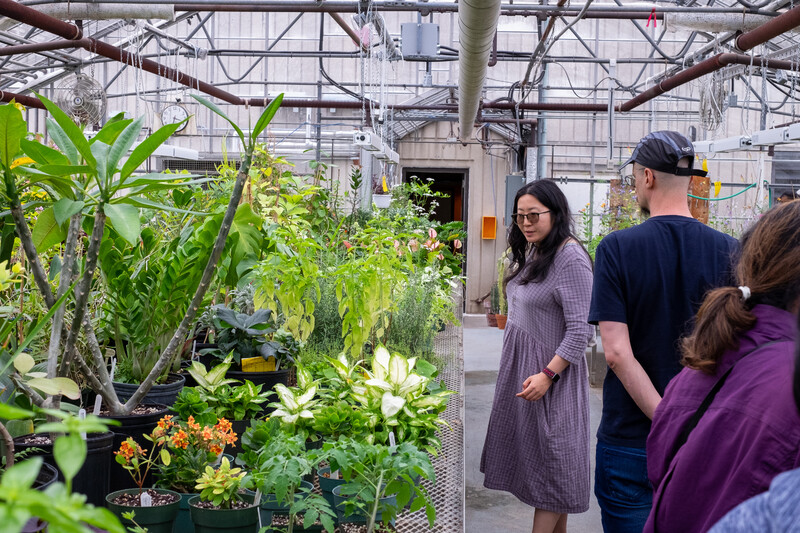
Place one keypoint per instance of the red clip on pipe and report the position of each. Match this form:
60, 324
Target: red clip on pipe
653, 18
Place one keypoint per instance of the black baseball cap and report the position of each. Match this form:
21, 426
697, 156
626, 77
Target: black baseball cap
661, 150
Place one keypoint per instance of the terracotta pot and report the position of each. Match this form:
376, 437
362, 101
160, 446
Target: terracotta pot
491, 319
501, 321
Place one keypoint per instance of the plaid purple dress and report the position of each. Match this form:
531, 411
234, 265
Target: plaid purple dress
539, 451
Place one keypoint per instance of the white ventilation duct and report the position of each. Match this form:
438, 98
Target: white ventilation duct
713, 22
477, 23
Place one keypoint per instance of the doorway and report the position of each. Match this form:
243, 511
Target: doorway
451, 182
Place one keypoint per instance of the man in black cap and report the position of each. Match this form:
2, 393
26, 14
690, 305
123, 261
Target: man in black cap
649, 282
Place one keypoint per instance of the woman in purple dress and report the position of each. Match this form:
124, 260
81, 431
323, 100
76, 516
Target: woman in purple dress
537, 443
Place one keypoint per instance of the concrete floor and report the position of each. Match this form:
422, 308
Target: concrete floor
490, 510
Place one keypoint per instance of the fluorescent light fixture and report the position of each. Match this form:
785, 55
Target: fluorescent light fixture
770, 137
793, 132
730, 144
702, 147
388, 155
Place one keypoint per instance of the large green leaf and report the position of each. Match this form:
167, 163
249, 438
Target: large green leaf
122, 144
12, 131
9, 412
72, 130
100, 152
125, 219
139, 201
111, 130
54, 386
42, 154
47, 232
65, 208
266, 117
63, 141
140, 154
22, 474
69, 452
65, 170
213, 107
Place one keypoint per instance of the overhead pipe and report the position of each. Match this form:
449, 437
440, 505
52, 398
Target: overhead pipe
477, 24
27, 101
701, 69
33, 48
105, 11
348, 30
777, 26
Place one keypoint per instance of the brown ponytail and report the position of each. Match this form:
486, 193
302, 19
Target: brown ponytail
770, 266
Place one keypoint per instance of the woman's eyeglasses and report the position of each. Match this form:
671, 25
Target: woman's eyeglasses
533, 217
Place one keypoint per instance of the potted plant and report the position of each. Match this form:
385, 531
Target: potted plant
278, 463
155, 509
263, 354
190, 447
502, 307
56, 505
216, 397
221, 507
494, 306
379, 481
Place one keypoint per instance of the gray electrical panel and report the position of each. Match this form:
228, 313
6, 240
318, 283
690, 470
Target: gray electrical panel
420, 41
514, 183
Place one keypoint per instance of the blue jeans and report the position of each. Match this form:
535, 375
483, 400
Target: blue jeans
622, 488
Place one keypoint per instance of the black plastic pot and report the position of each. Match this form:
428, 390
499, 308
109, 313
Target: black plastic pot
224, 520
93, 477
165, 393
158, 519
135, 426
267, 379
270, 503
47, 476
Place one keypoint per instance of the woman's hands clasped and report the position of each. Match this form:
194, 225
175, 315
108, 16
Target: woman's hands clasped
534, 387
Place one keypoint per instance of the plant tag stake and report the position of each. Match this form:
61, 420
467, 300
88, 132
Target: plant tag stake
335, 475
392, 442
97, 403
194, 350
82, 416
257, 501
146, 500
113, 367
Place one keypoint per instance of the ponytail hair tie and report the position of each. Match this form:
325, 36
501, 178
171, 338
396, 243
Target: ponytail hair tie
745, 292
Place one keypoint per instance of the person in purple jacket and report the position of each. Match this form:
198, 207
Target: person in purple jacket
777, 510
751, 430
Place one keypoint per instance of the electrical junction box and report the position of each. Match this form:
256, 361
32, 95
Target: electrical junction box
420, 42
514, 183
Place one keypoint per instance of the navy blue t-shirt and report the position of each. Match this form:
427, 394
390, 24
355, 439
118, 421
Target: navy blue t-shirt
653, 277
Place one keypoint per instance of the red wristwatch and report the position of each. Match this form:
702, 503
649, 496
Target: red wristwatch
550, 374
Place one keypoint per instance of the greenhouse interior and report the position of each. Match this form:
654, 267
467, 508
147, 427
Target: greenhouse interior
321, 215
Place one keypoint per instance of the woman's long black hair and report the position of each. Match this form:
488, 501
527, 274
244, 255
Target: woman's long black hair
534, 267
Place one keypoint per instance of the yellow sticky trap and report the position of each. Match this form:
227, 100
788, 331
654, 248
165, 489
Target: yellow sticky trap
383, 182
717, 187
704, 165
258, 364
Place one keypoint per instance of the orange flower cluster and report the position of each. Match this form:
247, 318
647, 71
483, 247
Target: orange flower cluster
164, 426
128, 449
210, 438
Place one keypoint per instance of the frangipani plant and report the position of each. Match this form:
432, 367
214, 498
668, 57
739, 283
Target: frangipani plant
91, 182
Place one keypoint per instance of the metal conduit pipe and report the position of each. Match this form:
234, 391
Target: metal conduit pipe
27, 101
103, 11
477, 24
422, 6
701, 69
41, 47
21, 13
780, 24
